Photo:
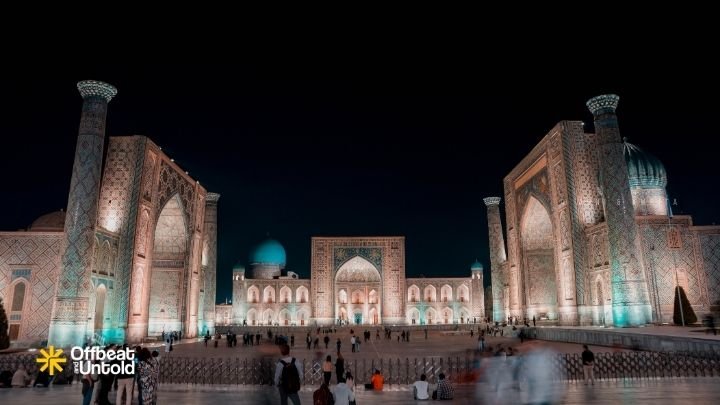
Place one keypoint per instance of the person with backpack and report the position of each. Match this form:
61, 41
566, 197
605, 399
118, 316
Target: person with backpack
288, 374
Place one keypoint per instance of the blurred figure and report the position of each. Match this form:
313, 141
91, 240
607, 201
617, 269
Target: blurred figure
710, 323
535, 372
20, 379
588, 361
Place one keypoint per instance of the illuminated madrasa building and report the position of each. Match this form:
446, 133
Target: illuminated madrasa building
134, 253
590, 239
354, 280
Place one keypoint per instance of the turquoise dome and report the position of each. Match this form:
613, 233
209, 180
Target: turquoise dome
476, 266
239, 266
269, 252
644, 169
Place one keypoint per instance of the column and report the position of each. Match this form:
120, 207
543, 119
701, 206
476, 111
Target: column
631, 305
497, 256
210, 262
69, 319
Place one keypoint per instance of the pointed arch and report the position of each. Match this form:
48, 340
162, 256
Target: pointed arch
253, 295
357, 269
413, 293
343, 314
373, 314
302, 294
537, 243
302, 316
252, 317
430, 293
285, 294
342, 296
413, 316
100, 295
269, 295
284, 317
431, 316
268, 317
447, 315
168, 274
446, 293
463, 293
373, 297
357, 297
464, 315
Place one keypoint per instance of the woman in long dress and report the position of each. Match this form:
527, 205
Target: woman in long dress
147, 367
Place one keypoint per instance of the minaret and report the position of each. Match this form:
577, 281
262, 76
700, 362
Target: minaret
210, 266
70, 310
497, 256
631, 305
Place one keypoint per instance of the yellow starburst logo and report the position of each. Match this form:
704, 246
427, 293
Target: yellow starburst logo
51, 360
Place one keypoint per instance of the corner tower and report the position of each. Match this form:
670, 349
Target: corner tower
631, 305
70, 309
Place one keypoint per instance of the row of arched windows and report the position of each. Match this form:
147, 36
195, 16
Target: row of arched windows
430, 294
357, 297
268, 295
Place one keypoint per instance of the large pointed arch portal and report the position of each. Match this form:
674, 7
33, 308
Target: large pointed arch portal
169, 264
362, 279
536, 233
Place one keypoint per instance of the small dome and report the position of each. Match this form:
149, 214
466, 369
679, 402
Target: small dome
476, 266
52, 222
239, 266
269, 252
644, 169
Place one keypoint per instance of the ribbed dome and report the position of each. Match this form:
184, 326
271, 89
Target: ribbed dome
476, 266
52, 222
269, 252
644, 169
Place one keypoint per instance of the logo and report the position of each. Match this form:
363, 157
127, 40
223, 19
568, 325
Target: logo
51, 360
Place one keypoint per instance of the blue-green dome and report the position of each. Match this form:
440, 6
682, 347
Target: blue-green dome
269, 252
644, 169
476, 266
238, 266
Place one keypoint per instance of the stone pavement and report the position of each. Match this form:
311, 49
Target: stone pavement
697, 391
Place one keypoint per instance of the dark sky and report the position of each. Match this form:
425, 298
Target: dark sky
358, 147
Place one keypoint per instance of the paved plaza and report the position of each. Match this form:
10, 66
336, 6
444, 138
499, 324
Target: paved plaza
438, 344
657, 392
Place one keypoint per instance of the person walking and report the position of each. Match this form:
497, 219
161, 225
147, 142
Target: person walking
327, 369
326, 339
343, 395
338, 344
588, 360
339, 367
287, 376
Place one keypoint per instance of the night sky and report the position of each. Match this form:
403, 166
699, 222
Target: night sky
380, 147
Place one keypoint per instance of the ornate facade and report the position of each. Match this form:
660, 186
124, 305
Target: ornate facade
134, 254
590, 237
353, 281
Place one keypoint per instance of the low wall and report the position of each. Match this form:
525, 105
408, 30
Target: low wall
617, 338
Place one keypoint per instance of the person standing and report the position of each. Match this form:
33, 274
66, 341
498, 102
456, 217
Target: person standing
326, 340
287, 377
352, 343
588, 360
533, 320
338, 344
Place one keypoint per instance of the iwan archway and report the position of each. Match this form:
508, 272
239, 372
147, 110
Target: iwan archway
169, 268
358, 291
538, 251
